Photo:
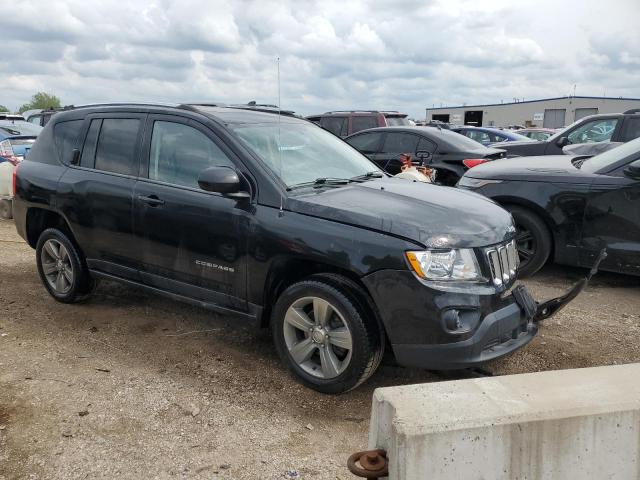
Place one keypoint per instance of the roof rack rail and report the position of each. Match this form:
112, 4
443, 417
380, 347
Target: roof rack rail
254, 107
124, 104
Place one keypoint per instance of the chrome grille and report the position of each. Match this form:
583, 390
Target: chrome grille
503, 261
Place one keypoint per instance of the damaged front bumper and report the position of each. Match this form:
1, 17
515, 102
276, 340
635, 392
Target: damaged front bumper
503, 329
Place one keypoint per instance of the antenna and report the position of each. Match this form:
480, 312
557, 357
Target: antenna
281, 212
279, 116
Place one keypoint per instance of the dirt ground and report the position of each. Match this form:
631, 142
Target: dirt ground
131, 385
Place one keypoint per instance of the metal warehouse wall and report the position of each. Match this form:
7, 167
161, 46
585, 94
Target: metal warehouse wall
536, 112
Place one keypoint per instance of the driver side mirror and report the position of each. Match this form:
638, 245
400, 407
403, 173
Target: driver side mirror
423, 155
633, 170
224, 180
563, 142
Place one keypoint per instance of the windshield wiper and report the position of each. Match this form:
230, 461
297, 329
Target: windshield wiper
367, 176
322, 181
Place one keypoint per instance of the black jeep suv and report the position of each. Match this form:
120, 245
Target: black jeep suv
274, 220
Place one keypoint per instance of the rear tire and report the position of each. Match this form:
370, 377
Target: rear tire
333, 353
62, 268
5, 209
533, 240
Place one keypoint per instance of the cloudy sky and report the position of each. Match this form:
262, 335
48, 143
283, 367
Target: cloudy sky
377, 54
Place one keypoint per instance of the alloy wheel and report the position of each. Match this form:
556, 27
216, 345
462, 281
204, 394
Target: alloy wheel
56, 266
526, 244
317, 337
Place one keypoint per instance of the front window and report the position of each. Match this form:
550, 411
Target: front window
300, 153
179, 153
594, 131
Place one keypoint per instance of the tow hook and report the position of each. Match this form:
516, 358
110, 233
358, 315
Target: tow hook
369, 464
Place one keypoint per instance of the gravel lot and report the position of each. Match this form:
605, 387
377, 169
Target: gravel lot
131, 385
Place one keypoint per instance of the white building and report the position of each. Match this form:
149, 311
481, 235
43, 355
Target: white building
547, 112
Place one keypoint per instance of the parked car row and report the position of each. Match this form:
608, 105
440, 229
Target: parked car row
569, 208
538, 193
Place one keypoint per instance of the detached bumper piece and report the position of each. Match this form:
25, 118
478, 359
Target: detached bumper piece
549, 308
500, 333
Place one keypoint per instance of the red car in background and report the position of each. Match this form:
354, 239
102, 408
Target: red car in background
343, 123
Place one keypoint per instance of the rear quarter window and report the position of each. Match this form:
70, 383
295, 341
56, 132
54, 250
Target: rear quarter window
65, 135
359, 123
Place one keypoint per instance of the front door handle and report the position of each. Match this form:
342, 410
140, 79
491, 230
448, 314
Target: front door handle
151, 200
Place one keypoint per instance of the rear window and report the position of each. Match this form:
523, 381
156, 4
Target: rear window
363, 123
336, 125
397, 121
116, 149
65, 135
9, 128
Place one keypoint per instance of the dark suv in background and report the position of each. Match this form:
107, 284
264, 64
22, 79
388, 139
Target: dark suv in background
269, 218
606, 127
345, 123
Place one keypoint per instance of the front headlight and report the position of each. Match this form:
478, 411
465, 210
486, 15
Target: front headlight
445, 265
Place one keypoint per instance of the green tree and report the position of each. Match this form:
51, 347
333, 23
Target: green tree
41, 100
3, 108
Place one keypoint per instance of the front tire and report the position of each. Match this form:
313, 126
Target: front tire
533, 240
61, 268
323, 335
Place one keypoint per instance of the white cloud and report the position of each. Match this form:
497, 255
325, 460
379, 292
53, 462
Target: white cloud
335, 54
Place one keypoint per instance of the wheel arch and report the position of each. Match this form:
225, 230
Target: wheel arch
287, 271
547, 219
39, 219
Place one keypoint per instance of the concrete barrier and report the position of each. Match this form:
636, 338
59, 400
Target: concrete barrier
567, 424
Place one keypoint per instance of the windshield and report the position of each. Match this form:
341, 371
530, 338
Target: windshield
596, 130
610, 157
301, 153
397, 121
19, 127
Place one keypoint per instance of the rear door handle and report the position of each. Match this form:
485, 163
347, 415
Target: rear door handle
151, 200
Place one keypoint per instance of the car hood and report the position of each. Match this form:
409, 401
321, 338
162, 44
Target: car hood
547, 168
432, 215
